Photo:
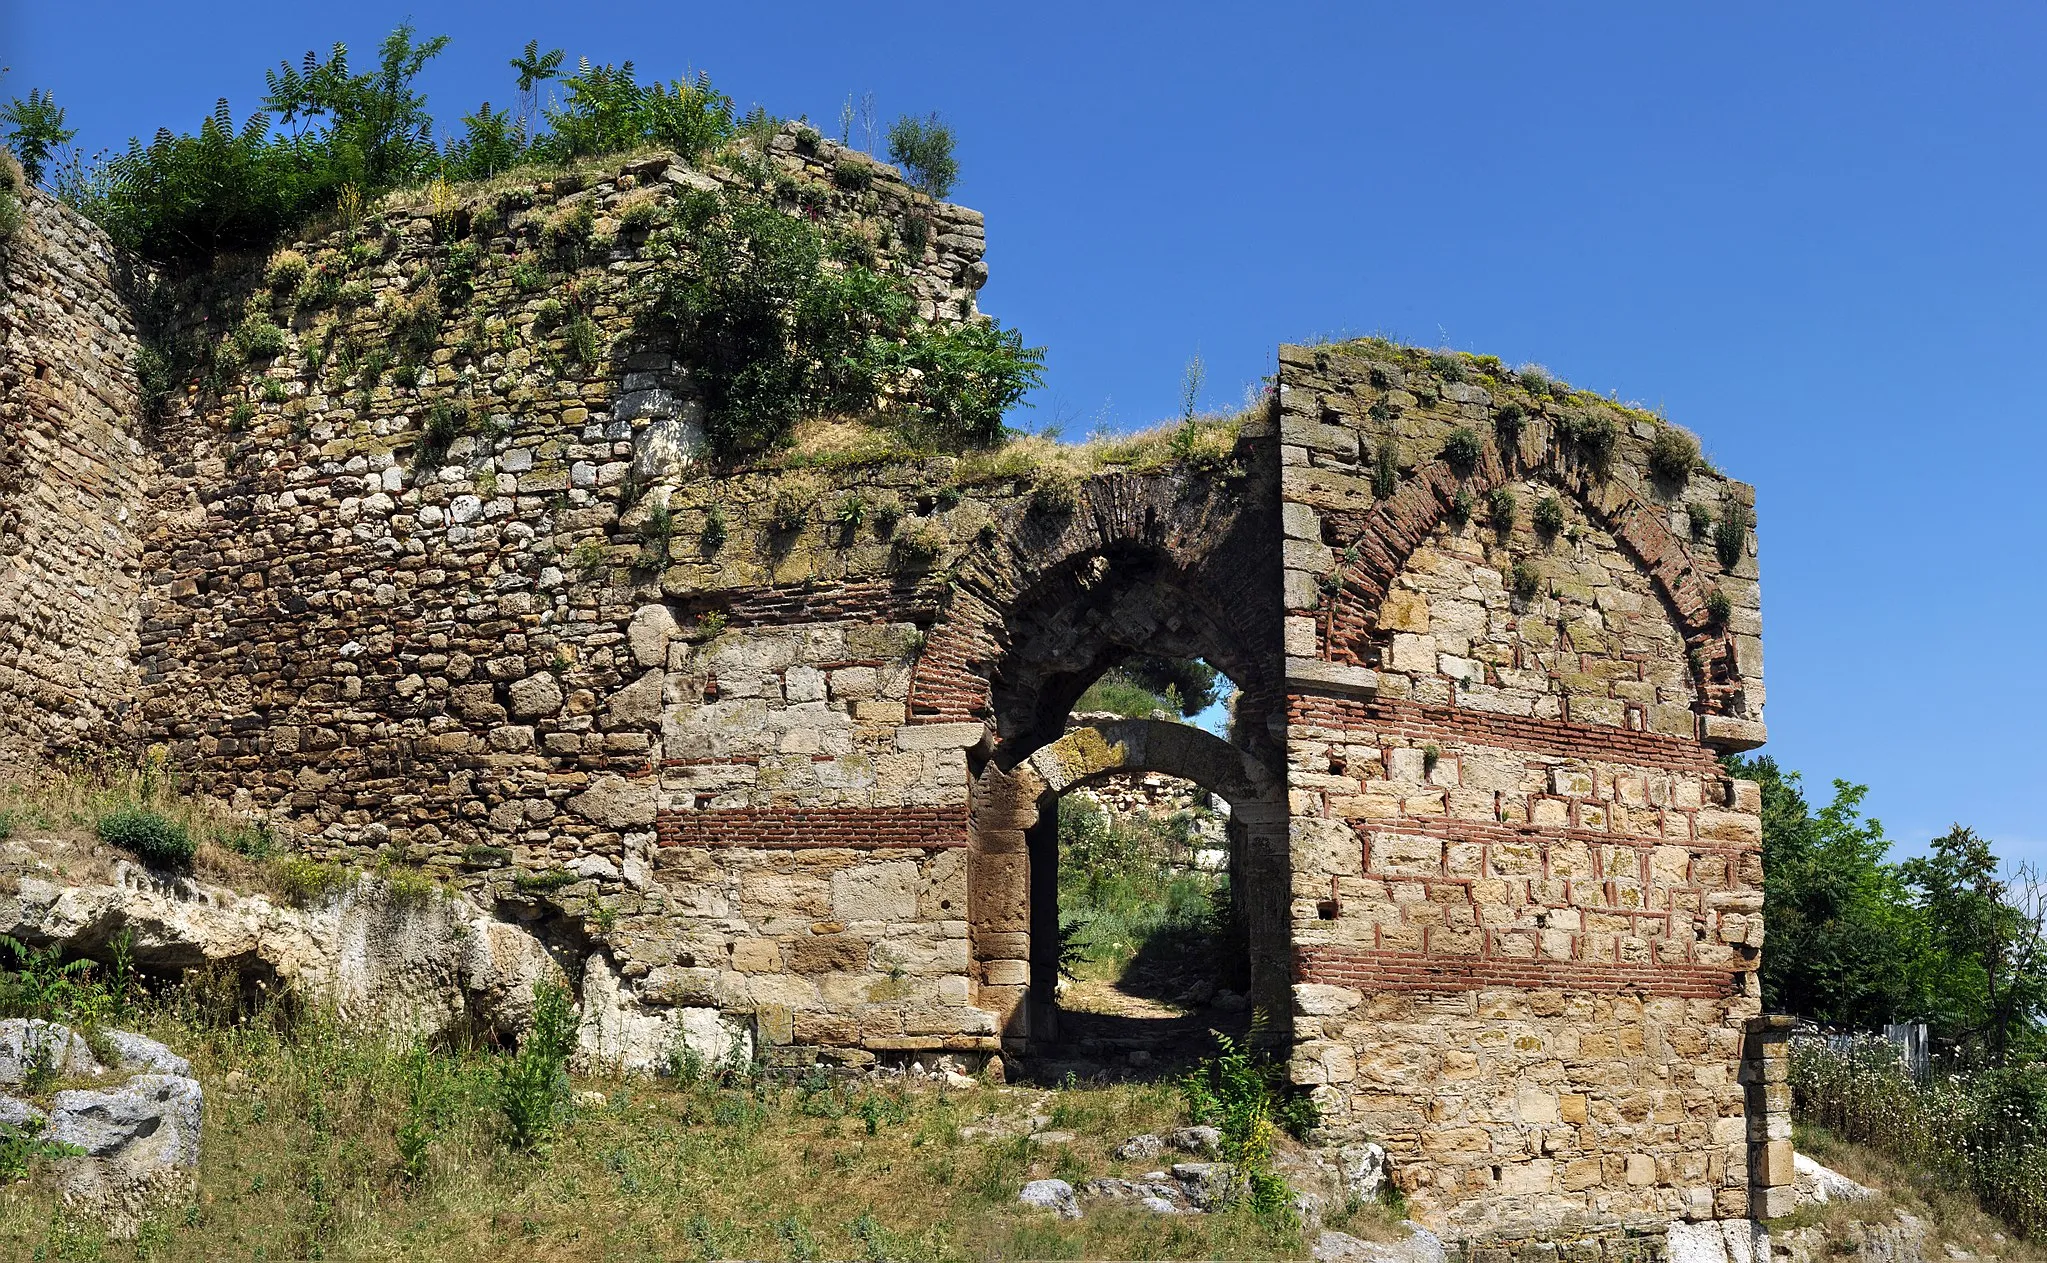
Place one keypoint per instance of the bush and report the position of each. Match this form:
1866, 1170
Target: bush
1120, 894
152, 836
1501, 505
924, 149
258, 339
286, 272
184, 199
445, 421
771, 335
1985, 1130
1730, 533
1719, 607
1525, 580
853, 174
1246, 1097
1595, 435
1463, 449
1386, 470
305, 882
1549, 516
1507, 421
1673, 454
1699, 518
10, 205
605, 110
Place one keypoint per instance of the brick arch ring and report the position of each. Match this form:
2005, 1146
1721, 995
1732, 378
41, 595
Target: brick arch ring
1399, 524
1125, 510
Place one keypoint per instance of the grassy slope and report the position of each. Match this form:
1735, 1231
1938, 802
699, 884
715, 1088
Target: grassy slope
1952, 1214
301, 1159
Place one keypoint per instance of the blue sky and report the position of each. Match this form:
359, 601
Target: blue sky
1811, 233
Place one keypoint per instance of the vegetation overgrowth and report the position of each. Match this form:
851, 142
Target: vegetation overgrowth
778, 319
1127, 888
323, 1140
1857, 940
329, 133
1980, 1129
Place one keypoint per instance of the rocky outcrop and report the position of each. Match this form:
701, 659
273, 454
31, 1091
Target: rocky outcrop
413, 964
421, 965
140, 1143
130, 1147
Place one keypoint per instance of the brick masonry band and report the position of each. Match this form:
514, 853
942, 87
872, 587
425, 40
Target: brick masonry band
1369, 970
792, 828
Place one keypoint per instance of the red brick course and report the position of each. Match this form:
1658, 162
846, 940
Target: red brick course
798, 828
1372, 970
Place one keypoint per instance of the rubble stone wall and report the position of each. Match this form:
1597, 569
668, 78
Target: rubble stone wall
73, 478
1526, 899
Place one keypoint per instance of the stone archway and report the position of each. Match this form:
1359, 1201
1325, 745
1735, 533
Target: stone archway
1013, 873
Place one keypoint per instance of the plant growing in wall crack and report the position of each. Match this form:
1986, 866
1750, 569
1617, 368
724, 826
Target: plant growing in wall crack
1549, 516
1730, 533
1386, 469
1719, 607
1501, 506
1462, 449
1525, 580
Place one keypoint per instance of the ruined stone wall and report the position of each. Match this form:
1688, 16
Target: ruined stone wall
783, 742
72, 482
528, 664
1526, 899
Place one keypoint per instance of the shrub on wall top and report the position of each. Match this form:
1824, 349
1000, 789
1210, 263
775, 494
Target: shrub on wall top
924, 148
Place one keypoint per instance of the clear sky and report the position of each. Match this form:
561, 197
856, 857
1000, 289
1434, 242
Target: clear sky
1812, 233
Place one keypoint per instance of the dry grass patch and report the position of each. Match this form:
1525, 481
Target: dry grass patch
1952, 1212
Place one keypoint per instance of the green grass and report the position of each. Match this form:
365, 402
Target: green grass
327, 1143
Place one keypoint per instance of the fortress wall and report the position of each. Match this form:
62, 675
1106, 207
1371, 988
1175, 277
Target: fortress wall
1526, 899
73, 481
756, 742
504, 666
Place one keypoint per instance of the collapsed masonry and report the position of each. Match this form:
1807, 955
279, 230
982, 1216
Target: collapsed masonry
784, 742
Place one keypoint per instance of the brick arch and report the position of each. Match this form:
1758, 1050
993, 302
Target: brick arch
1209, 547
1385, 537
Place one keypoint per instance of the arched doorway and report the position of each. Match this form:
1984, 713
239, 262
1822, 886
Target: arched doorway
1092, 753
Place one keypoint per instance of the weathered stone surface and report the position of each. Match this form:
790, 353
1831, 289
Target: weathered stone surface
617, 802
28, 1043
1053, 1195
141, 1143
139, 1052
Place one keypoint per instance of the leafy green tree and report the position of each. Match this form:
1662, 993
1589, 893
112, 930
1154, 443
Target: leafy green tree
923, 147
492, 142
1991, 984
535, 68
35, 129
378, 133
1193, 682
1847, 945
183, 199
607, 110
